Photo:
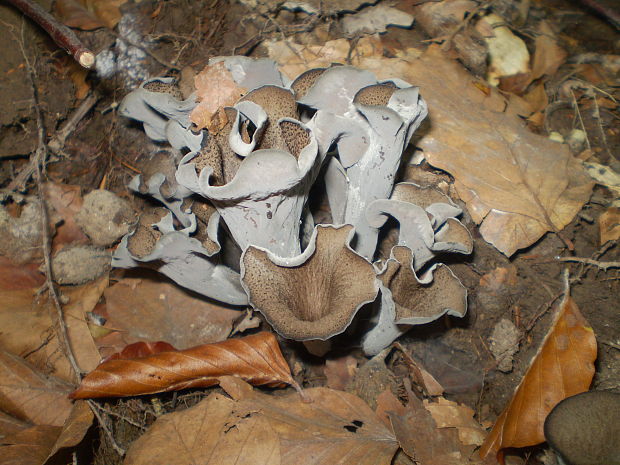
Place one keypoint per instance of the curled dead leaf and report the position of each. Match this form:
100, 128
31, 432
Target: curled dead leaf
256, 358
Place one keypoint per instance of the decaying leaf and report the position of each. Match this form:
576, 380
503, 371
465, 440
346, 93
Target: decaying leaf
340, 371
90, 14
517, 184
30, 446
27, 327
29, 395
564, 366
157, 310
422, 440
609, 225
334, 427
256, 358
215, 89
448, 414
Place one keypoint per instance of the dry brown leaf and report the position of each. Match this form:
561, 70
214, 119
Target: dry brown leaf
16, 277
75, 427
28, 395
563, 367
215, 89
340, 371
10, 425
28, 447
517, 184
27, 327
448, 414
66, 201
499, 278
548, 55
609, 225
90, 14
256, 358
256, 428
422, 378
157, 310
422, 440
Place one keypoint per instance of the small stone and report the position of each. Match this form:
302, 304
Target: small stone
80, 264
105, 217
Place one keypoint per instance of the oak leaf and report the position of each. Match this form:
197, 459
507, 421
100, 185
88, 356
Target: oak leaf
215, 89
256, 428
563, 367
256, 358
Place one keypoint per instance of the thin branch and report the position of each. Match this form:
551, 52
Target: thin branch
104, 425
589, 261
57, 143
40, 157
64, 37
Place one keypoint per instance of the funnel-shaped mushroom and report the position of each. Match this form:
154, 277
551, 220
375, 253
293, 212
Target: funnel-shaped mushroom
314, 295
427, 222
262, 204
372, 124
182, 258
158, 104
409, 300
585, 429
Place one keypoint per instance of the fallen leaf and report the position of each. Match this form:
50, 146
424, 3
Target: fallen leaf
215, 89
340, 371
448, 414
158, 310
29, 395
499, 278
563, 367
10, 425
256, 358
429, 385
517, 184
548, 55
604, 176
256, 428
28, 328
75, 427
420, 438
141, 350
609, 225
30, 446
66, 201
16, 277
90, 14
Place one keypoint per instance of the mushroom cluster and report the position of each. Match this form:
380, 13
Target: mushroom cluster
239, 224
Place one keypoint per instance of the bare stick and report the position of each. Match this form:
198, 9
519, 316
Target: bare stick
57, 143
589, 261
40, 156
61, 34
104, 425
608, 12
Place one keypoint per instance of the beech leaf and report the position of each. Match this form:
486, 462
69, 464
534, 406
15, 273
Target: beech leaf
260, 429
518, 185
256, 358
563, 367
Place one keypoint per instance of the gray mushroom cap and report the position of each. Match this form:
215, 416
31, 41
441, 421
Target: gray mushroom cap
585, 429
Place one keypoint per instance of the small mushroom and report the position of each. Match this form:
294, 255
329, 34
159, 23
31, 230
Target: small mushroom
427, 222
182, 258
584, 429
314, 295
155, 103
408, 300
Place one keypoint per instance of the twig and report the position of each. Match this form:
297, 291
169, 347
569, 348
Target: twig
122, 417
104, 425
589, 261
57, 143
40, 156
61, 34
608, 12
